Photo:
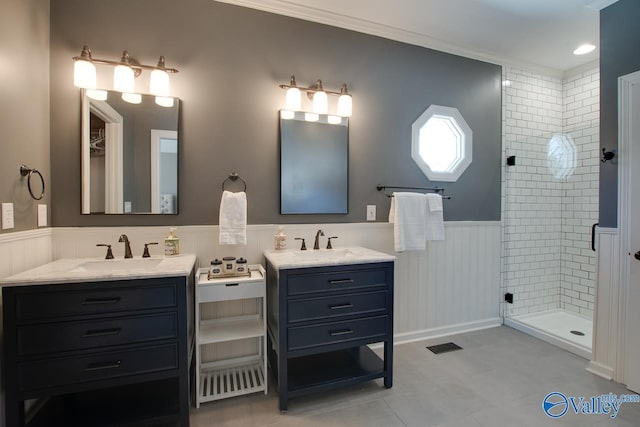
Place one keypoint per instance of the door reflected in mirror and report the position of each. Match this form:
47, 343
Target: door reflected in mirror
129, 156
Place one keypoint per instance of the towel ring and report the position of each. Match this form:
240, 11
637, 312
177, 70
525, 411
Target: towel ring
233, 177
27, 171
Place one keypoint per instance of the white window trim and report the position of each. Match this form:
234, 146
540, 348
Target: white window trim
467, 145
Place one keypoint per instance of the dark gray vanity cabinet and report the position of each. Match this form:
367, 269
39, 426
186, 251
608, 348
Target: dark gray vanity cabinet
320, 321
104, 353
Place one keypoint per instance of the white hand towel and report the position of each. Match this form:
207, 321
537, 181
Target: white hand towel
233, 218
434, 229
435, 202
408, 215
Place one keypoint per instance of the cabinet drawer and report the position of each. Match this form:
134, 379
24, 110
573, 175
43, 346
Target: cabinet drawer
41, 305
65, 336
336, 332
300, 284
343, 305
72, 370
230, 291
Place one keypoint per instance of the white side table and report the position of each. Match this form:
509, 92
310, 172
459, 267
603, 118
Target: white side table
239, 375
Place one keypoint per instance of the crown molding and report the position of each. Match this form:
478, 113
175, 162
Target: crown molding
599, 4
286, 8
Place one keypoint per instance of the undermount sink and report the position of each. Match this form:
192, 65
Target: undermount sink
113, 265
324, 254
325, 257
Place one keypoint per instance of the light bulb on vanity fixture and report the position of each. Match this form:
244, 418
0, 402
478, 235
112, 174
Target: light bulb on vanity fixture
293, 100
345, 106
319, 97
320, 102
84, 72
124, 74
97, 94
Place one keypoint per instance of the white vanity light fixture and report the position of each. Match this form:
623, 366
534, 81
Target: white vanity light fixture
124, 74
287, 114
320, 101
584, 49
319, 96
97, 94
311, 117
334, 120
345, 106
132, 98
164, 101
84, 72
293, 101
159, 82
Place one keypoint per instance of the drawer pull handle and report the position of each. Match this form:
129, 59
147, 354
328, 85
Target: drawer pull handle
91, 301
232, 284
340, 332
101, 366
340, 306
340, 281
101, 332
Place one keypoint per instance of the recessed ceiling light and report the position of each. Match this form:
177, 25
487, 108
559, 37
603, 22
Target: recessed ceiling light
584, 49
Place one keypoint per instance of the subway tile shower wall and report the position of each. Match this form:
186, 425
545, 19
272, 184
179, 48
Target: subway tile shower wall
547, 261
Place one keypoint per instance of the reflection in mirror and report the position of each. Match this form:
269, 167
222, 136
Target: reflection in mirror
314, 163
129, 156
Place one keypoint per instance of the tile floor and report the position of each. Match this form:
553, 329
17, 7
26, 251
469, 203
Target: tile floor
499, 379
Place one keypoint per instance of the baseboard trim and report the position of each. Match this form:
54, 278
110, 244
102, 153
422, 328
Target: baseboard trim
600, 370
443, 331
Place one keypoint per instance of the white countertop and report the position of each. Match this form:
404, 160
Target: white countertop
73, 270
288, 259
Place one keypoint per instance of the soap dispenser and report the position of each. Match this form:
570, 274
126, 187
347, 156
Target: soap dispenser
172, 243
280, 239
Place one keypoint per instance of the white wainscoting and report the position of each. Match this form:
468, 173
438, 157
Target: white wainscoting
23, 250
606, 359
451, 287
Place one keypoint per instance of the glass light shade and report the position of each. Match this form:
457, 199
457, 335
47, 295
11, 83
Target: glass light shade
159, 83
311, 117
287, 115
132, 98
345, 106
294, 100
123, 79
334, 120
84, 74
320, 104
98, 95
164, 101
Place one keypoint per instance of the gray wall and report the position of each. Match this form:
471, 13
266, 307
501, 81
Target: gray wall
24, 110
619, 48
231, 60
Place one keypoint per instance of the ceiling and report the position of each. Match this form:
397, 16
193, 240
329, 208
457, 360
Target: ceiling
537, 34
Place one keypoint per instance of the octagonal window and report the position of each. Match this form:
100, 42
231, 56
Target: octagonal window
441, 143
561, 156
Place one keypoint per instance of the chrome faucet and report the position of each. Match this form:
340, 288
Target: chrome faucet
316, 244
127, 246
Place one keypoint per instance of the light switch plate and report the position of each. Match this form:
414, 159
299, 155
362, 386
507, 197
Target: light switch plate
7, 216
371, 212
42, 215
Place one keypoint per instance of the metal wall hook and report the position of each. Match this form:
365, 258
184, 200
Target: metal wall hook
27, 171
607, 155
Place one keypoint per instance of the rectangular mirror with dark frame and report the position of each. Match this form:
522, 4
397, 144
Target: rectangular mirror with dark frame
314, 164
129, 156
